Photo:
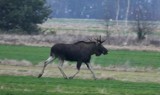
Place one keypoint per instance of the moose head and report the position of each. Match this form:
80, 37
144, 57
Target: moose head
99, 49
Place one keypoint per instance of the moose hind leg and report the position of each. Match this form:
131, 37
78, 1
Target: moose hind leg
61, 61
49, 60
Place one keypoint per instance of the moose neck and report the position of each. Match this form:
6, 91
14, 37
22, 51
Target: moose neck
90, 46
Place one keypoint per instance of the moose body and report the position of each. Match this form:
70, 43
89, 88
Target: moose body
80, 52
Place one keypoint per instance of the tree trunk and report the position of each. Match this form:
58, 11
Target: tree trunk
117, 12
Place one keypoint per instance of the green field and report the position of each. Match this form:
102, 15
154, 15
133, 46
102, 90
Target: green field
18, 85
28, 85
30, 53
114, 58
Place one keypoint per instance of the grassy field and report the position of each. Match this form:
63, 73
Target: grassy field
93, 25
18, 85
130, 58
32, 54
28, 85
110, 82
115, 57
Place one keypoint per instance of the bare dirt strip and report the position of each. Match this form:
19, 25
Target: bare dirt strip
52, 71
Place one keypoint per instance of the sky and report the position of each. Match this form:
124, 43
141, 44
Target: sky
104, 9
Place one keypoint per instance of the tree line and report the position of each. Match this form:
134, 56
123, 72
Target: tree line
23, 15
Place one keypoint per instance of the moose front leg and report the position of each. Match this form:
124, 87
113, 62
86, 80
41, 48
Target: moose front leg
90, 68
61, 61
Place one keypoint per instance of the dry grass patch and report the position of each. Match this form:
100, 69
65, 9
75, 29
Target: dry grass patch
52, 71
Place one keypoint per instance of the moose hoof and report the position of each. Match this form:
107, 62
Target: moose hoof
95, 78
71, 77
66, 78
40, 75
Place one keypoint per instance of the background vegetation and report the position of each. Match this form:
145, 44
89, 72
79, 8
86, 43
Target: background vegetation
22, 15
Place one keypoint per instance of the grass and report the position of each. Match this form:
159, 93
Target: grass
18, 85
130, 58
83, 21
83, 30
115, 57
30, 53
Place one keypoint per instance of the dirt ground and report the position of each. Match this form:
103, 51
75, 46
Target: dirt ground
52, 71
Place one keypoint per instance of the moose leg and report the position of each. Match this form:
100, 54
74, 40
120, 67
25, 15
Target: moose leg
60, 68
90, 68
78, 69
50, 59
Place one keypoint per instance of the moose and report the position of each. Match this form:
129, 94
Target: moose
79, 52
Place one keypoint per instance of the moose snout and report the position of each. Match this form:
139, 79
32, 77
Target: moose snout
105, 52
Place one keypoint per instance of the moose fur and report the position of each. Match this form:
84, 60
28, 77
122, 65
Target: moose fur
79, 52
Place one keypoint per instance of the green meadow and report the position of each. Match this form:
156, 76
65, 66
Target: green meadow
29, 85
20, 85
36, 54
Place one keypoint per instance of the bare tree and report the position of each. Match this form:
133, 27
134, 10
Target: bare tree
127, 12
108, 24
108, 32
117, 12
142, 26
126, 22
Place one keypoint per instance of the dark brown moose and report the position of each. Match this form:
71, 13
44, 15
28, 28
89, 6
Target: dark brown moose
79, 52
